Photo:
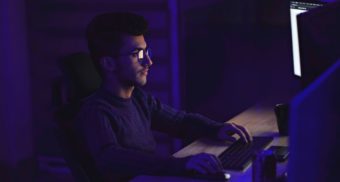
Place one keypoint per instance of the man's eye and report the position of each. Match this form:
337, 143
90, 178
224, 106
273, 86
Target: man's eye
134, 54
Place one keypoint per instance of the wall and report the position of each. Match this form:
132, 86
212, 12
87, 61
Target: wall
235, 54
16, 142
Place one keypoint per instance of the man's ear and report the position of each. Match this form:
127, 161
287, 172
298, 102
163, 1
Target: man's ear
108, 63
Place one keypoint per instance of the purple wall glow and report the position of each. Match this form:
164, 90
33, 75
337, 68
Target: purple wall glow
15, 119
173, 6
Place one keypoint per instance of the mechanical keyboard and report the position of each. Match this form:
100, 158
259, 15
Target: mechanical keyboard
239, 155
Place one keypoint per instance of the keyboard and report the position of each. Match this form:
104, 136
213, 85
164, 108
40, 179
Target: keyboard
238, 156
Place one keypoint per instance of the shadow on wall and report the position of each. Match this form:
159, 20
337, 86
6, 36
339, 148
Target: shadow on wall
26, 170
5, 171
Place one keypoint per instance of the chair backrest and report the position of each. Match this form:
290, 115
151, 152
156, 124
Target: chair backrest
79, 80
80, 76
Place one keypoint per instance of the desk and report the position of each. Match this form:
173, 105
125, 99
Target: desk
259, 120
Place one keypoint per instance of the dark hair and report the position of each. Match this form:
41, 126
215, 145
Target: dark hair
105, 31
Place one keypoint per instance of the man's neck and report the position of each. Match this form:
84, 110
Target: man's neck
118, 89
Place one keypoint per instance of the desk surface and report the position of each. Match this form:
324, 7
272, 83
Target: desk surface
259, 120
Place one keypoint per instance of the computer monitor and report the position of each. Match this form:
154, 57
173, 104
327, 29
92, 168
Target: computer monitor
315, 37
319, 40
297, 7
314, 130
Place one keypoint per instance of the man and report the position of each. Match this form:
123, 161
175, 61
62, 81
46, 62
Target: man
114, 124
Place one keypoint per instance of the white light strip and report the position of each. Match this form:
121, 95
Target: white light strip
295, 40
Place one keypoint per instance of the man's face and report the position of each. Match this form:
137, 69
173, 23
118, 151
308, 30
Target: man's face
130, 71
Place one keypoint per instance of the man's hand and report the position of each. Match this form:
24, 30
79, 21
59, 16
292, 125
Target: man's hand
229, 129
204, 163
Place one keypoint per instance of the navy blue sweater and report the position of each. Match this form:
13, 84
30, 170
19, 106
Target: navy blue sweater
117, 133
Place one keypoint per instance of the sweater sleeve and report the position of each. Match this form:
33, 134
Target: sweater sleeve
179, 123
94, 131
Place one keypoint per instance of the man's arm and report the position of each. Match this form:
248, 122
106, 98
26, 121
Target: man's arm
191, 125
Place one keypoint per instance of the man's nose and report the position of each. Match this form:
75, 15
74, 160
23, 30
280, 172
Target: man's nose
147, 61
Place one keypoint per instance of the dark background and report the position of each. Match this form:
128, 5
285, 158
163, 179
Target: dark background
226, 57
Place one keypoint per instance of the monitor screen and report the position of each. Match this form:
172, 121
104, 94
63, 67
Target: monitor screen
296, 8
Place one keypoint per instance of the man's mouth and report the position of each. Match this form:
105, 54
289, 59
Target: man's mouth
144, 72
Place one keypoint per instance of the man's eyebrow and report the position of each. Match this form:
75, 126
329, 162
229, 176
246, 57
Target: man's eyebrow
138, 49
